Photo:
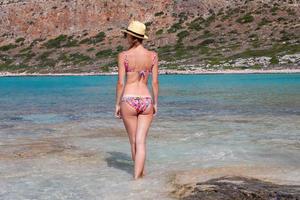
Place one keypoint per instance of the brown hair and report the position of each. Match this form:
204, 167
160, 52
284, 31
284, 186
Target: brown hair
135, 39
140, 40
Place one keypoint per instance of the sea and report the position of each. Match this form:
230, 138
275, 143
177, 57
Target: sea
59, 138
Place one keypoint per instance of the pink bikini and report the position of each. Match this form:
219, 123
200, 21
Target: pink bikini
142, 73
139, 103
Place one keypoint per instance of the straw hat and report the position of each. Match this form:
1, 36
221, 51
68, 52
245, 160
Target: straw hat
136, 29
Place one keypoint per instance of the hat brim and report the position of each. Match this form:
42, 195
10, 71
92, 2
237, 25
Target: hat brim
135, 35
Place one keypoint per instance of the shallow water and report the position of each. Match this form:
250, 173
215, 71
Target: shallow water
59, 138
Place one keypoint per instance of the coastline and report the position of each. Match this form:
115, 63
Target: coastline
245, 71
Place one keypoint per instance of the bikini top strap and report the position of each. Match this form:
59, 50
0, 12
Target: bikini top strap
126, 62
153, 61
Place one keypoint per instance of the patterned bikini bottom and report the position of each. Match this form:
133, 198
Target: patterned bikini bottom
140, 104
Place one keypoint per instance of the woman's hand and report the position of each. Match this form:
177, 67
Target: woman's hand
154, 109
118, 112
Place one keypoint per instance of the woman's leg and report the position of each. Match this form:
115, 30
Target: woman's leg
144, 122
129, 117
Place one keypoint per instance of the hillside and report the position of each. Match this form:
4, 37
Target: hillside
84, 35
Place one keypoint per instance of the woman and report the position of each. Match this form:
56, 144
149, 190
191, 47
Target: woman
134, 103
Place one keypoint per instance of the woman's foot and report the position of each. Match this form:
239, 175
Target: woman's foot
140, 176
136, 178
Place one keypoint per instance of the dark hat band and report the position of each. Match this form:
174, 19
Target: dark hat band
134, 33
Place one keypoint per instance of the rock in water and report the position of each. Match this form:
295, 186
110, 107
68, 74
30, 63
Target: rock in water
242, 188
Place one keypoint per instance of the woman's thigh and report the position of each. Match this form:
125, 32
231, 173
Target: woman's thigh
129, 118
143, 124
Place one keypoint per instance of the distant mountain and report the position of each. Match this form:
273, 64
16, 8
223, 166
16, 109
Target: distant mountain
84, 35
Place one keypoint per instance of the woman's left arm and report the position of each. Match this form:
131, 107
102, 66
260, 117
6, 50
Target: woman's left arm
120, 84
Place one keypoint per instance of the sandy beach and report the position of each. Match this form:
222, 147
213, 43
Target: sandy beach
246, 71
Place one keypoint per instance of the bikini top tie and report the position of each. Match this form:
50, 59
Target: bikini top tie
142, 73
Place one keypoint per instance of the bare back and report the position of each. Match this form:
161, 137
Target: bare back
138, 66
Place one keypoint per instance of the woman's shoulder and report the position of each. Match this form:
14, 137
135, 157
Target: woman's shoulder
153, 53
122, 55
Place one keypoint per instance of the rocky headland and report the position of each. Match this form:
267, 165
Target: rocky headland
38, 36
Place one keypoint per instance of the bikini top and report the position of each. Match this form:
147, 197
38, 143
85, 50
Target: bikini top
141, 72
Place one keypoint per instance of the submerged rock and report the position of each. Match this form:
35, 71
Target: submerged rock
242, 188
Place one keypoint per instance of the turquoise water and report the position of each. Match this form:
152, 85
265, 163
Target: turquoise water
60, 99
57, 133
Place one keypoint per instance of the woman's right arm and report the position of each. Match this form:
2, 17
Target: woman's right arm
120, 84
155, 84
